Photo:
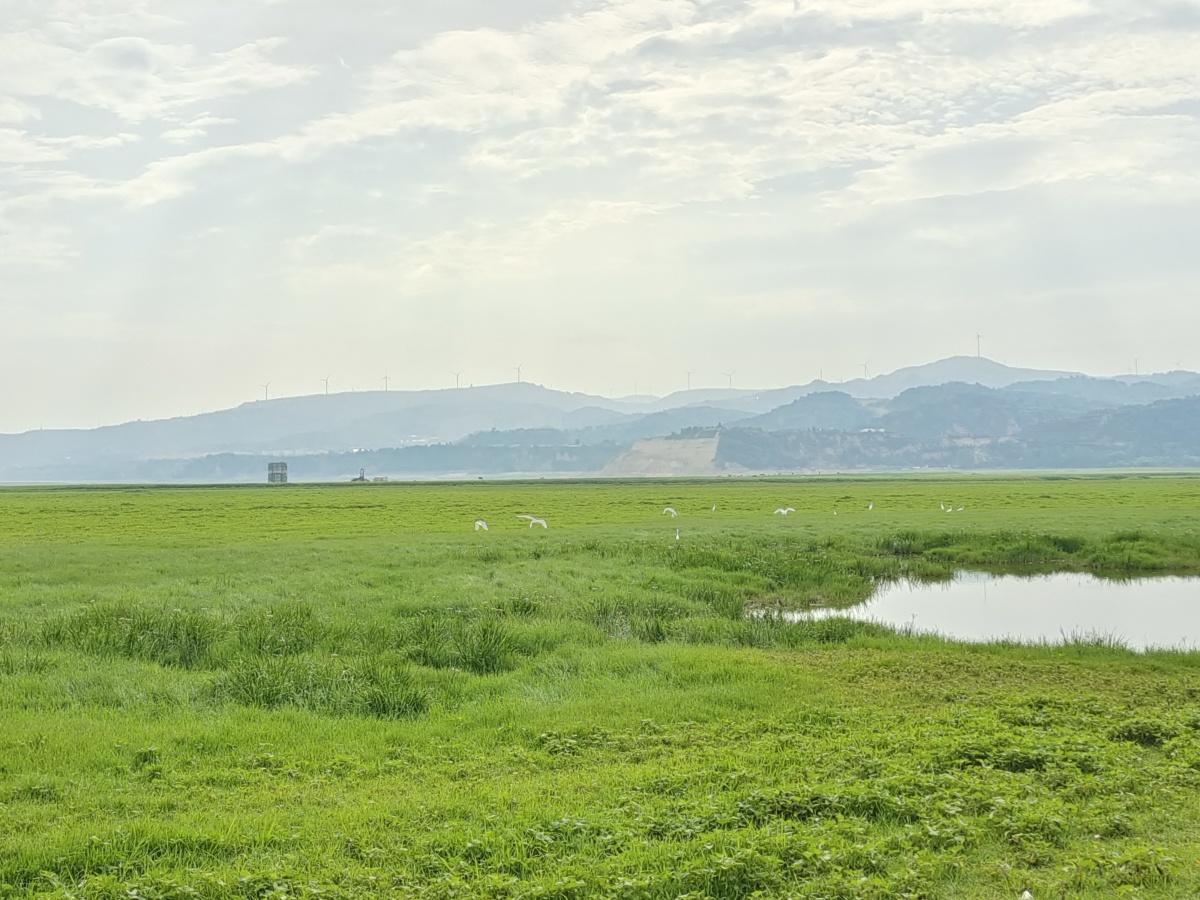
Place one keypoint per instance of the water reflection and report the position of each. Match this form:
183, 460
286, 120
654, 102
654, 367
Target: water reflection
1143, 613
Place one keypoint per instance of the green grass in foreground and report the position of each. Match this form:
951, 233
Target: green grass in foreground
338, 692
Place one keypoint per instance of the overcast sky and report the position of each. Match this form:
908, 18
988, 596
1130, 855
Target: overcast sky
197, 197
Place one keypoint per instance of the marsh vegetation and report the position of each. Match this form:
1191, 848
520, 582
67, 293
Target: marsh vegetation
339, 692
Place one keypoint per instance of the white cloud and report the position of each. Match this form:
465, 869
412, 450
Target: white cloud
478, 253
194, 129
680, 151
136, 78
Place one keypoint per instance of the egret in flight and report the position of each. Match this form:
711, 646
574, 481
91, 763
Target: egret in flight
481, 525
534, 520
785, 511
670, 511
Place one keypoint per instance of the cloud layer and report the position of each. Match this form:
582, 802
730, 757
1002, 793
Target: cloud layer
622, 191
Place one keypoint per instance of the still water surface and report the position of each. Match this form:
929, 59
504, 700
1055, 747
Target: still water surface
1144, 613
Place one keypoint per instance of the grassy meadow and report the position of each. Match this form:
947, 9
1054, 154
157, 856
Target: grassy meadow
346, 691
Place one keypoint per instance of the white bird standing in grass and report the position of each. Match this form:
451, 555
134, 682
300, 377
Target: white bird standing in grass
534, 520
481, 525
670, 511
785, 511
871, 506
942, 504
677, 534
714, 507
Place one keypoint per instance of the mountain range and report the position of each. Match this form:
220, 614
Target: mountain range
961, 412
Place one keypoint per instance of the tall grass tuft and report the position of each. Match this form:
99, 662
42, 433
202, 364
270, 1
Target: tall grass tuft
429, 643
382, 688
389, 690
483, 647
723, 601
169, 637
649, 629
284, 629
26, 663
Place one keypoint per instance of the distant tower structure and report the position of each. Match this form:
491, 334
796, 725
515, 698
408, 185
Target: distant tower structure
277, 473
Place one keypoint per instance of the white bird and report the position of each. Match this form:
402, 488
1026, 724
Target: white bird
962, 509
670, 511
343, 64
714, 507
534, 520
481, 525
784, 511
1026, 894
942, 504
871, 505
677, 534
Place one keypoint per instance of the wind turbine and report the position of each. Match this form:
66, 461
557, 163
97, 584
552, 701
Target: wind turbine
457, 380
689, 374
386, 381
866, 370
326, 380
266, 390
518, 374
730, 375
979, 346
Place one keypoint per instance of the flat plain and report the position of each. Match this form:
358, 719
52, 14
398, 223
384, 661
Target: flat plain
347, 691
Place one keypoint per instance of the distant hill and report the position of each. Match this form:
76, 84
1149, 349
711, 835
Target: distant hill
627, 429
830, 411
1163, 424
1103, 391
956, 369
967, 410
959, 369
337, 422
1163, 434
961, 412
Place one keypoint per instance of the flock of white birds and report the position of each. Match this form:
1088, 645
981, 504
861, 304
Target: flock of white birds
672, 512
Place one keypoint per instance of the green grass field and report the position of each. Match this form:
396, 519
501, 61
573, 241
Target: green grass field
346, 691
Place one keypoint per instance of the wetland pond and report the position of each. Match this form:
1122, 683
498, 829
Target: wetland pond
1141, 613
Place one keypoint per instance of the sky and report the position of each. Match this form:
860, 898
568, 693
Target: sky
198, 199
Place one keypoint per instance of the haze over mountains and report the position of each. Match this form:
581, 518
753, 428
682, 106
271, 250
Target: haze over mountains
962, 412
